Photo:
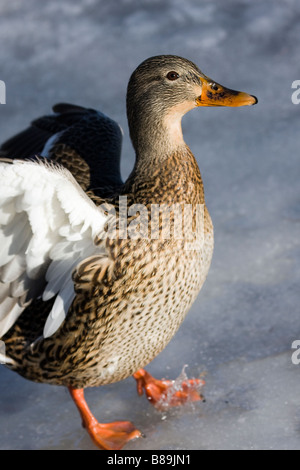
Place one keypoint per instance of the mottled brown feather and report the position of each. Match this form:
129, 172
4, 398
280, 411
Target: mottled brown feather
131, 300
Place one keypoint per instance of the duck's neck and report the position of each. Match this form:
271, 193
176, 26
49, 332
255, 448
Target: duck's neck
165, 168
155, 138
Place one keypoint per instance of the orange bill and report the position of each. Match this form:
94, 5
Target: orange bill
214, 94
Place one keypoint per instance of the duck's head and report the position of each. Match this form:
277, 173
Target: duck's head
164, 88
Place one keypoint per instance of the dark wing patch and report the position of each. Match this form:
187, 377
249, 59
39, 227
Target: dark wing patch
25, 144
92, 138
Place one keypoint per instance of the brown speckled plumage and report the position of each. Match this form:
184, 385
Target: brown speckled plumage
133, 294
134, 300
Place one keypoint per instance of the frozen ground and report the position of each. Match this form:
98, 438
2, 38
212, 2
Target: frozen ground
242, 325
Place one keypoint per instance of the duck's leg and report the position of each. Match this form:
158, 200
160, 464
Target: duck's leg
165, 393
109, 436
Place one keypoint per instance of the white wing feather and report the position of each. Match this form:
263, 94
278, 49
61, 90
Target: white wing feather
47, 226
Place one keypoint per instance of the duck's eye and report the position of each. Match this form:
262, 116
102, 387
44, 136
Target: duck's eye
214, 86
172, 75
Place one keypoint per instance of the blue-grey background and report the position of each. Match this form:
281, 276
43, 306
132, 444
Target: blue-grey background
242, 325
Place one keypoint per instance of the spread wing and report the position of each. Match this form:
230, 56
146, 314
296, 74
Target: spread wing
47, 227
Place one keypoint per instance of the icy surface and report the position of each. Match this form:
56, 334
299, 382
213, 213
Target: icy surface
241, 328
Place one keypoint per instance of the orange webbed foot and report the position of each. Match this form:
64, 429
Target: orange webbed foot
168, 393
108, 436
112, 436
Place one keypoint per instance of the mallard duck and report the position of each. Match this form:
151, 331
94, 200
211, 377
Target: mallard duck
89, 293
